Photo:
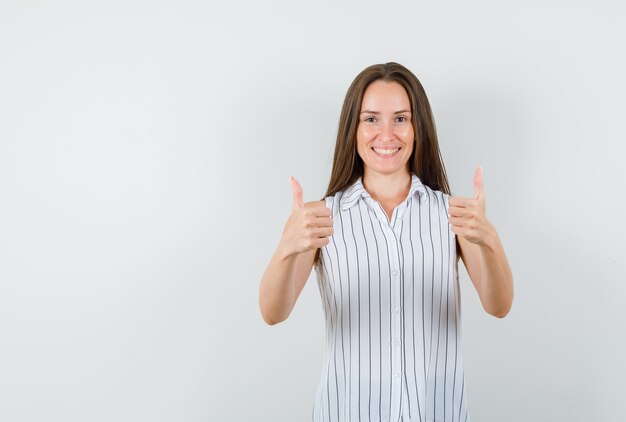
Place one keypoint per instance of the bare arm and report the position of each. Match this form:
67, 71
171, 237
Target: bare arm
283, 282
306, 230
490, 273
481, 251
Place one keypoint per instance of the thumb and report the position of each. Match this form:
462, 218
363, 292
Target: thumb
297, 193
479, 190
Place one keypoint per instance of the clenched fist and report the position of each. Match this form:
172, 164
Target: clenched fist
308, 226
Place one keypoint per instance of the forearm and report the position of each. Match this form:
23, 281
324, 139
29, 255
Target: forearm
306, 230
277, 289
496, 281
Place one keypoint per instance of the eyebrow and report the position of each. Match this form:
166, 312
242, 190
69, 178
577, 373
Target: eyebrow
378, 112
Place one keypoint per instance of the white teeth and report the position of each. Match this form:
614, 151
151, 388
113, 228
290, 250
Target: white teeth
386, 151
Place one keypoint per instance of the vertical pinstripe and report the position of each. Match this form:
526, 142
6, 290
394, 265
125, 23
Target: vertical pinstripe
390, 295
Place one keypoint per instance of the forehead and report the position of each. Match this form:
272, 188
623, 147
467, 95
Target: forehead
383, 95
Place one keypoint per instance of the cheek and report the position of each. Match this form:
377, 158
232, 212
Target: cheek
409, 138
361, 148
362, 138
407, 133
409, 149
364, 134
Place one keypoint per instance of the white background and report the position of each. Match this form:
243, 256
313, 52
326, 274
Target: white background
145, 155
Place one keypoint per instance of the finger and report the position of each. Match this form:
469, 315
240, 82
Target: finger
297, 193
458, 231
479, 191
462, 233
459, 201
324, 231
319, 207
315, 232
465, 221
323, 222
318, 211
320, 242
319, 222
459, 212
456, 221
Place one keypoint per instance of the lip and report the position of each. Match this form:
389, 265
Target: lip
397, 148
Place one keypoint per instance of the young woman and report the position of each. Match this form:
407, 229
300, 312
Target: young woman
385, 243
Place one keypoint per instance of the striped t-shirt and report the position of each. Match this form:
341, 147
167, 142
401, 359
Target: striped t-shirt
390, 294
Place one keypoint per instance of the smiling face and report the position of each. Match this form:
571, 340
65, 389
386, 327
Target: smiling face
385, 135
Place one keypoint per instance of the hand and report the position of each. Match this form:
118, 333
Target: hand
308, 226
467, 216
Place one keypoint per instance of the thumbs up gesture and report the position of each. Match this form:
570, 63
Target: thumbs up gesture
467, 215
309, 225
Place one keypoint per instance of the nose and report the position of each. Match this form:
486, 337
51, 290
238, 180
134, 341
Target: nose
386, 131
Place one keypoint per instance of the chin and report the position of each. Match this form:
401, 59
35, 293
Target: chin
388, 171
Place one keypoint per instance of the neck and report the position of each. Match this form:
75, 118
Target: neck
387, 187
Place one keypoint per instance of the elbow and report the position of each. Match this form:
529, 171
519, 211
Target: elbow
272, 310
500, 306
272, 318
499, 311
269, 320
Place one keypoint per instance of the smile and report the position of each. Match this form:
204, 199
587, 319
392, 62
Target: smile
386, 152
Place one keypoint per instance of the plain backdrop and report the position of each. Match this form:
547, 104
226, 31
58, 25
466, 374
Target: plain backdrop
145, 155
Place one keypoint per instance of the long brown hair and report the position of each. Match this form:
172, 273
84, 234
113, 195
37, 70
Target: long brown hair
425, 161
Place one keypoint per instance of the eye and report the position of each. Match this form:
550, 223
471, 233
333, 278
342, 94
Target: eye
370, 119
402, 119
